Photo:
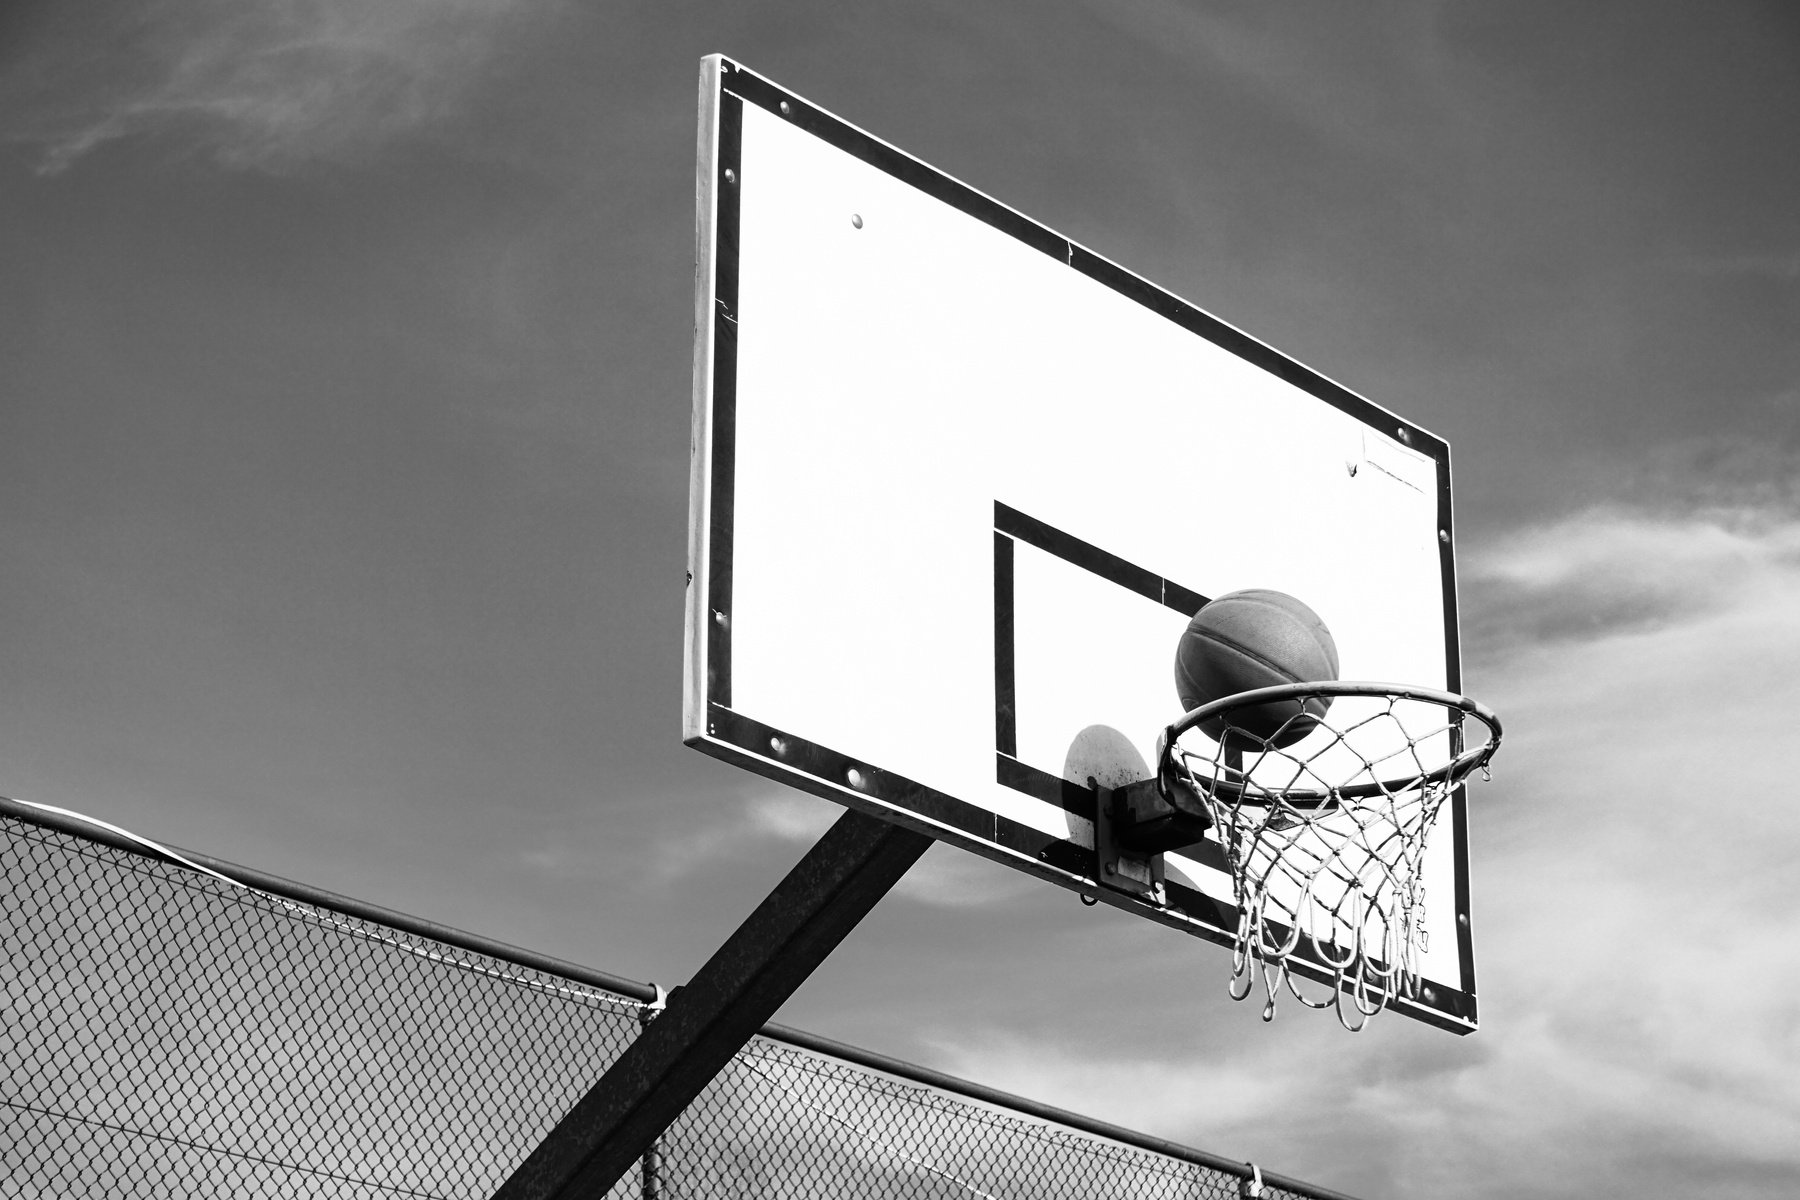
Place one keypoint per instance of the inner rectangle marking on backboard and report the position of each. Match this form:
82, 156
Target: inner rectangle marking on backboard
1015, 524
1006, 734
1076, 646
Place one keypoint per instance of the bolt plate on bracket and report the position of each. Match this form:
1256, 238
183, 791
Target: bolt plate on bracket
1137, 873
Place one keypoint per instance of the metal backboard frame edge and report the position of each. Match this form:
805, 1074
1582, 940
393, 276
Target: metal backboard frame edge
711, 725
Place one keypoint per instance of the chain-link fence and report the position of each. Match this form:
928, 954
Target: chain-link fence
196, 1029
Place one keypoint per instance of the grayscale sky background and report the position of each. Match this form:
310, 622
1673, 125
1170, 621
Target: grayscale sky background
344, 390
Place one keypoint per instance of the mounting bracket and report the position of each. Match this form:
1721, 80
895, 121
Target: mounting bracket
1134, 825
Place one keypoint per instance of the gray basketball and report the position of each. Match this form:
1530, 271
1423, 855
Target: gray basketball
1255, 639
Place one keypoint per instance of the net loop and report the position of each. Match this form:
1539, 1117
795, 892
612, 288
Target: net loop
1323, 797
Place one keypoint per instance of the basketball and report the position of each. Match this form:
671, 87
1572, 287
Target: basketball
1256, 639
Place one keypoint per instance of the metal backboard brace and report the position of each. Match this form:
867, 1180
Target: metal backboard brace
706, 1023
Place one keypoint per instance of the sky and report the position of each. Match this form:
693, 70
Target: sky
344, 403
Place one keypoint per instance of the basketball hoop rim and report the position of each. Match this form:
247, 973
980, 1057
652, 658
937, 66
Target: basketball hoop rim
1449, 775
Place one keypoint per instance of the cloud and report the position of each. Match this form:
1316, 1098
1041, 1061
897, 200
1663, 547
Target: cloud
1634, 905
264, 84
948, 877
1611, 571
945, 878
790, 817
1311, 86
759, 818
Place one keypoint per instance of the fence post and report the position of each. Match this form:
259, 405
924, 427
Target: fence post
650, 1186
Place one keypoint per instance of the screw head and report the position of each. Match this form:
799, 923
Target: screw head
1444, 536
730, 175
856, 220
786, 111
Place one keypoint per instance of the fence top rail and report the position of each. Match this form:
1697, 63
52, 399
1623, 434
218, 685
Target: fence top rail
74, 825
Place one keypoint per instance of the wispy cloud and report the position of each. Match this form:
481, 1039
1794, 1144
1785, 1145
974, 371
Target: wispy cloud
944, 878
759, 818
266, 84
950, 878
1308, 84
1634, 917
789, 817
1618, 571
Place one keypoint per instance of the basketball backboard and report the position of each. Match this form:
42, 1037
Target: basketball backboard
959, 483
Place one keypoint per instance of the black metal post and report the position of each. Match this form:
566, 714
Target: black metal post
707, 1022
650, 1166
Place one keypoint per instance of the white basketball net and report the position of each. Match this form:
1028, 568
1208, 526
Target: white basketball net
1325, 838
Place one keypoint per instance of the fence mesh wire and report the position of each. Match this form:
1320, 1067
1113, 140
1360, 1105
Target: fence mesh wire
167, 1033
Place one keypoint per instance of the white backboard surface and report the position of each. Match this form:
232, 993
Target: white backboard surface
958, 484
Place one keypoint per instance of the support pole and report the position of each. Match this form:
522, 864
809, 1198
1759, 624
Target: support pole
707, 1022
650, 1167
